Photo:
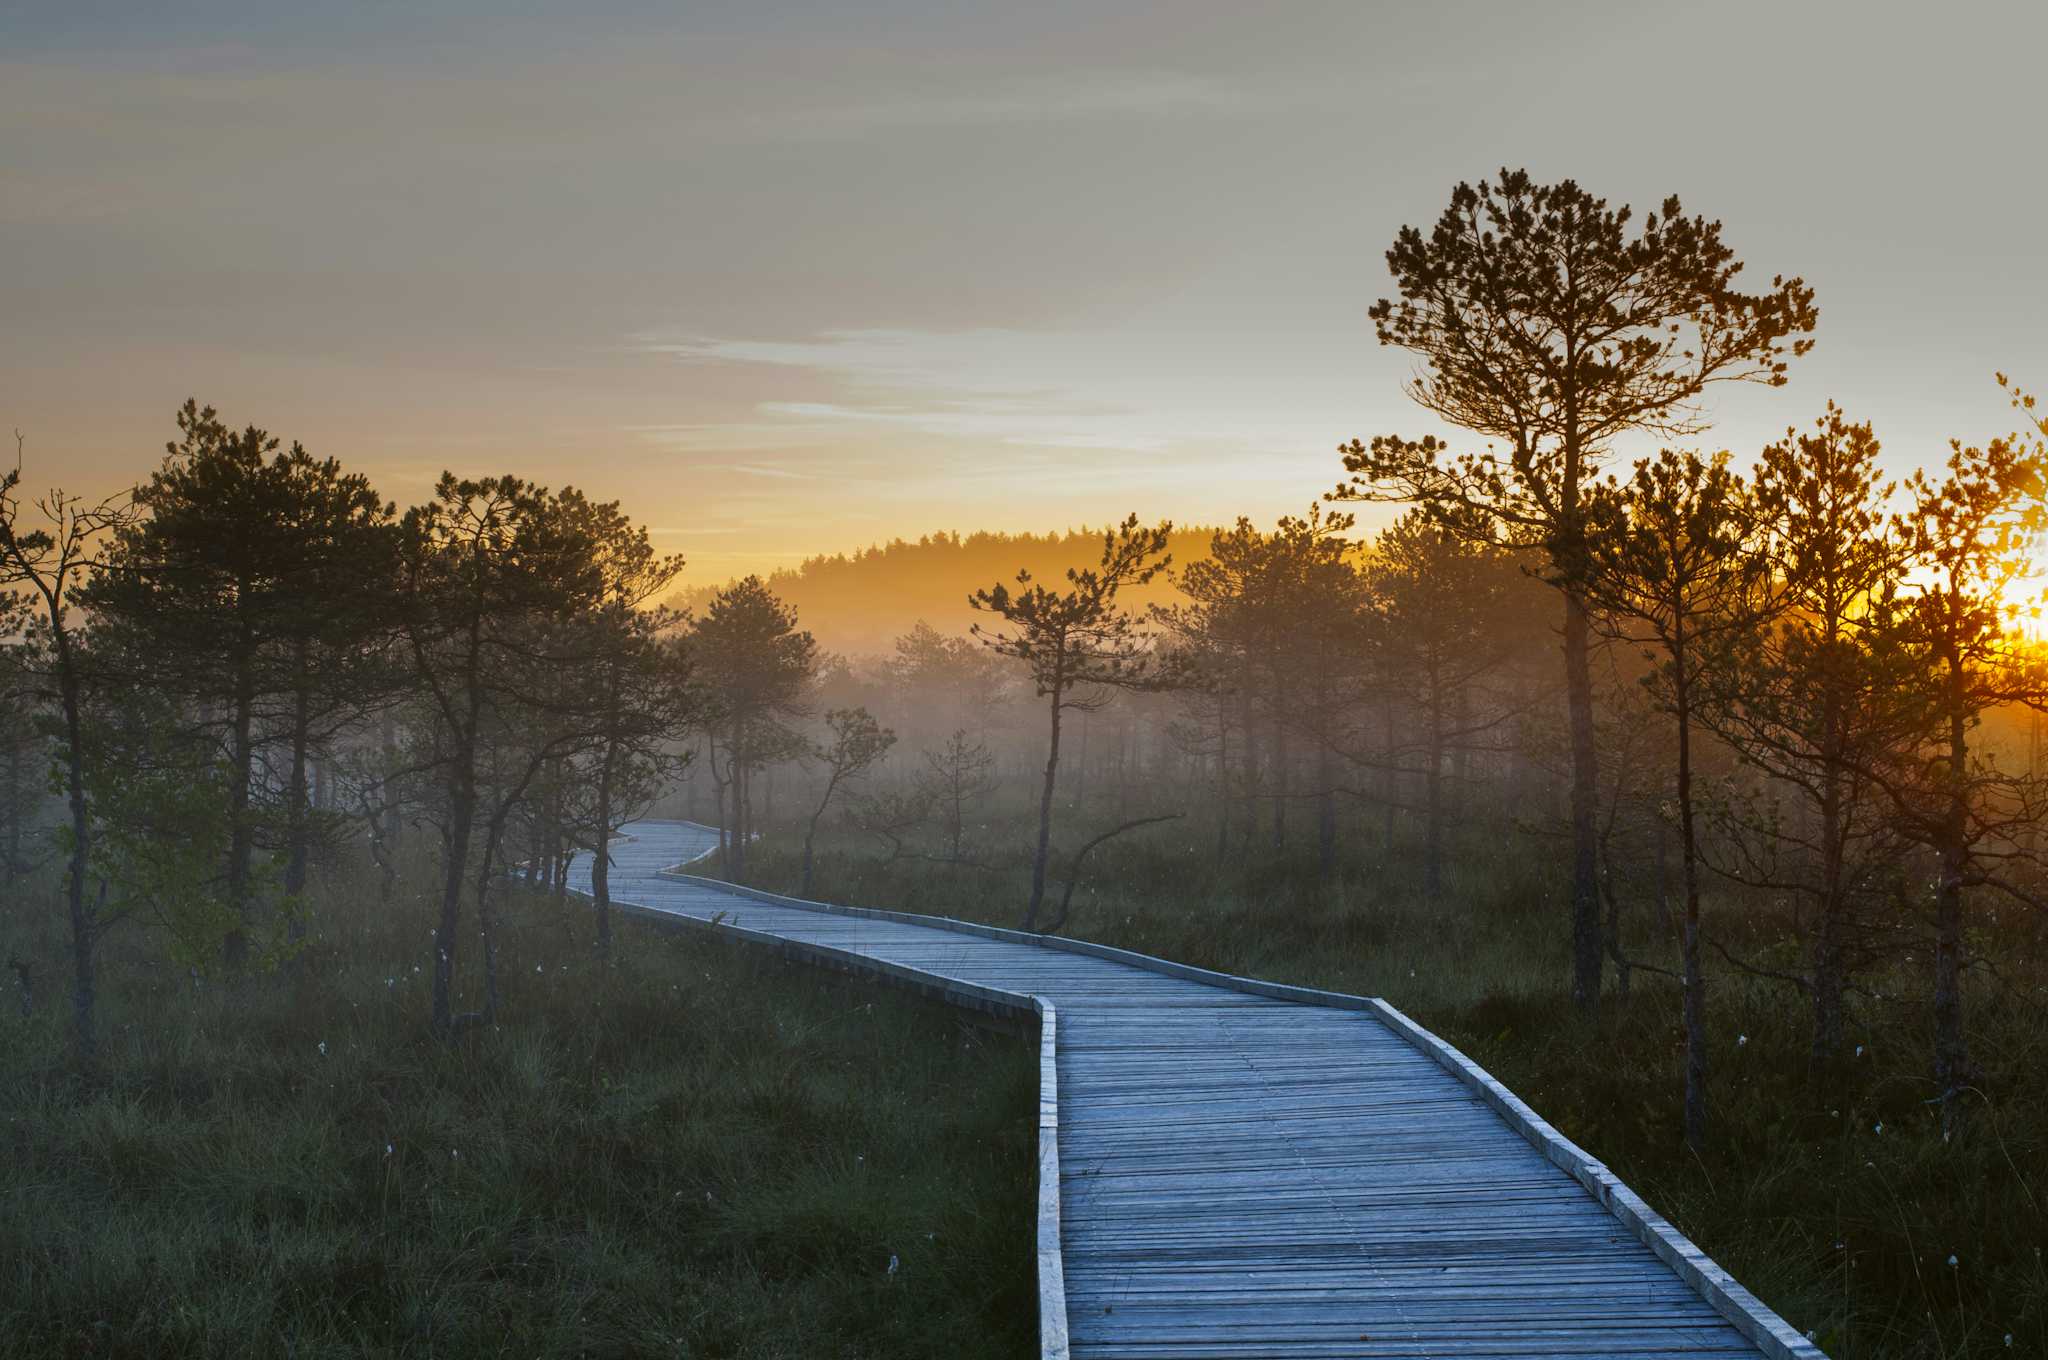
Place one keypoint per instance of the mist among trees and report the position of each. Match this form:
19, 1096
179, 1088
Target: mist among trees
1702, 732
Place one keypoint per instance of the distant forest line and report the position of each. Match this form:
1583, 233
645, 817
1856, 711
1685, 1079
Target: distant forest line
858, 603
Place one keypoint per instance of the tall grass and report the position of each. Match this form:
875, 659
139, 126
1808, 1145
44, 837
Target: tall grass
688, 1150
1843, 1209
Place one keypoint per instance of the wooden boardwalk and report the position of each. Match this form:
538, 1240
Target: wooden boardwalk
1244, 1169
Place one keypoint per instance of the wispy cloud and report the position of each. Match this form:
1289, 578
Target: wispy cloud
780, 474
993, 386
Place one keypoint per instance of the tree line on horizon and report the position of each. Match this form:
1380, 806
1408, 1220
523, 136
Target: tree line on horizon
856, 603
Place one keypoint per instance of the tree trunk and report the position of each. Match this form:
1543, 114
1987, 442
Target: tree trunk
1326, 812
17, 801
1461, 752
811, 832
1828, 979
1280, 773
1951, 1043
1389, 781
1695, 979
718, 793
736, 783
84, 925
1250, 761
1081, 765
1223, 809
487, 911
461, 824
601, 852
1578, 674
297, 822
241, 837
1052, 766
1433, 796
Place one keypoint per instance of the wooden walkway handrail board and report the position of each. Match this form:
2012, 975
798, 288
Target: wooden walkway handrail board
1230, 1176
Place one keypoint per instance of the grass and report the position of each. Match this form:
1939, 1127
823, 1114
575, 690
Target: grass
690, 1150
1841, 1209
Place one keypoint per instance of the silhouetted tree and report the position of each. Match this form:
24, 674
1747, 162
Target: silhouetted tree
1450, 612
24, 779
1673, 556
194, 596
1311, 602
957, 684
891, 816
1079, 647
1970, 530
337, 577
48, 563
954, 776
162, 824
257, 586
1215, 644
1819, 700
492, 571
1542, 321
856, 742
638, 685
756, 666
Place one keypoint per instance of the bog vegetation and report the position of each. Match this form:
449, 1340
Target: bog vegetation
1699, 793
690, 1149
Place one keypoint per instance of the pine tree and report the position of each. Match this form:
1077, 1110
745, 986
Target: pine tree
49, 563
1819, 699
1545, 322
1079, 646
1672, 558
757, 668
1971, 529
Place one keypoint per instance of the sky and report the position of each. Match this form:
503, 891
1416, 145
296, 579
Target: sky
791, 278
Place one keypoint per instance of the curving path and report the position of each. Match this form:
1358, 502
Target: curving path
1245, 1169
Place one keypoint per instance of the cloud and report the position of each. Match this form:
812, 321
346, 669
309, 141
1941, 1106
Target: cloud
991, 385
1070, 395
783, 474
98, 137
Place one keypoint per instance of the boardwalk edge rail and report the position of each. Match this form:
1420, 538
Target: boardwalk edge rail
1748, 1314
